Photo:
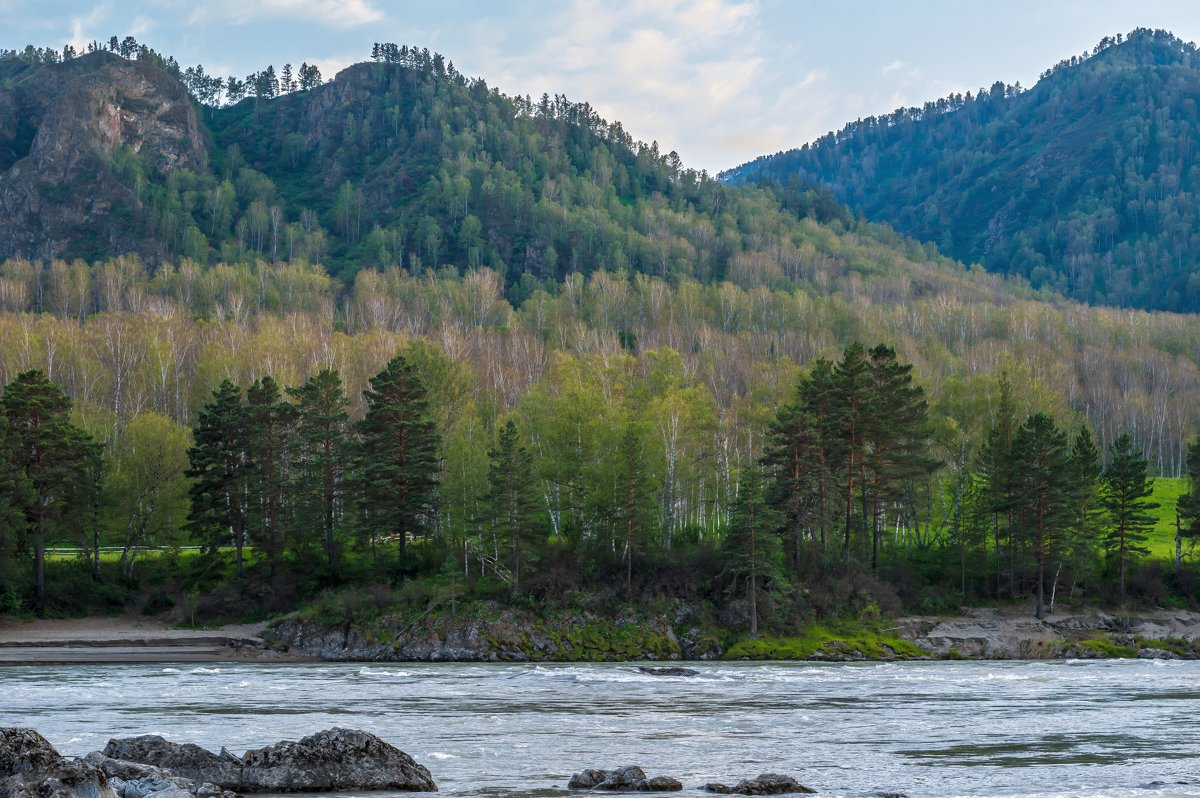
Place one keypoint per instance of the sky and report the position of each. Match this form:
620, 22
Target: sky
718, 81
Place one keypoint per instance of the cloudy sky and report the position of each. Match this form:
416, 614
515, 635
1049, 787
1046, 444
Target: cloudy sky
719, 81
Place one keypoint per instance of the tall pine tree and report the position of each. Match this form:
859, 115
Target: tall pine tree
1126, 487
752, 546
397, 457
322, 459
218, 470
513, 501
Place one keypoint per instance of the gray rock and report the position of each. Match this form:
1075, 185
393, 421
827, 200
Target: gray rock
25, 751
1156, 653
135, 780
765, 784
630, 778
183, 760
30, 767
668, 671
332, 760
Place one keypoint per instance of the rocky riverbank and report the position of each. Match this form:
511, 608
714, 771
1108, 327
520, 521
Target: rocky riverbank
1011, 633
489, 633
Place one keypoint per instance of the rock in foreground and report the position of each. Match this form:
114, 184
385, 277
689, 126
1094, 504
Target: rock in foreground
765, 784
630, 778
329, 761
30, 767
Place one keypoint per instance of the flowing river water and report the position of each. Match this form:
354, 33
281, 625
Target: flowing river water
1114, 728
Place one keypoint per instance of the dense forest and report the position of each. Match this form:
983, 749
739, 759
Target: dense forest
612, 371
1084, 183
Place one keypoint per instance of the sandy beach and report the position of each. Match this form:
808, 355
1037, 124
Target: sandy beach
126, 640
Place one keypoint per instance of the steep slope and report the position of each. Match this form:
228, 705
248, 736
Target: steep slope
68, 130
1086, 183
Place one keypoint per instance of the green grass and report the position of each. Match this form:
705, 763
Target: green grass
1162, 539
836, 640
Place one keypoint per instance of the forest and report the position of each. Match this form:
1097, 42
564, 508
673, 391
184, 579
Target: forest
409, 329
1084, 183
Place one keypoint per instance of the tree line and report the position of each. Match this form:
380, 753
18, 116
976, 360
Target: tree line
613, 472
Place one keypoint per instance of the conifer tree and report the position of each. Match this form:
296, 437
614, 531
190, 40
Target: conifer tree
896, 429
1126, 488
218, 469
751, 547
322, 440
850, 409
270, 422
995, 465
49, 473
397, 457
513, 499
792, 455
1040, 493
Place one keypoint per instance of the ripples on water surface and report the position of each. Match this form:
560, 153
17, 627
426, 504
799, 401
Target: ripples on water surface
925, 729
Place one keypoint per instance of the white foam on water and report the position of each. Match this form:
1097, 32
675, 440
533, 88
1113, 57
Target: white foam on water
206, 671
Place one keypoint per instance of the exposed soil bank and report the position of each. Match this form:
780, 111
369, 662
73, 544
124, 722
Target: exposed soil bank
126, 640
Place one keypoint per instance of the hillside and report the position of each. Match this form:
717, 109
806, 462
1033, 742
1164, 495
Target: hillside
1085, 184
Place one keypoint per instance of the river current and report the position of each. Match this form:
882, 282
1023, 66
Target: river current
1090, 729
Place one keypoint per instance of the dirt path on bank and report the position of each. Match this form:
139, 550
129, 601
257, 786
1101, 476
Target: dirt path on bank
127, 640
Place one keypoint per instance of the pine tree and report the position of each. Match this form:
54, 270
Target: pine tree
995, 466
49, 477
1125, 490
322, 440
218, 470
270, 424
792, 455
513, 500
1187, 506
896, 429
752, 546
397, 457
849, 411
1040, 493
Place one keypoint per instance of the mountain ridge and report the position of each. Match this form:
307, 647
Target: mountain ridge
1084, 183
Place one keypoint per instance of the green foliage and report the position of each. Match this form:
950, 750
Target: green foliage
843, 641
1082, 184
1126, 489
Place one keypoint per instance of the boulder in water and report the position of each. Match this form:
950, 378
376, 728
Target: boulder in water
668, 671
630, 778
328, 761
765, 784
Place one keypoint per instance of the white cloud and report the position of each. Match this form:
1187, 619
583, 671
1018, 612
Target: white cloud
674, 71
336, 13
892, 67
83, 28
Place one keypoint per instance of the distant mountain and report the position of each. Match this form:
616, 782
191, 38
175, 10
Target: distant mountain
403, 161
1088, 183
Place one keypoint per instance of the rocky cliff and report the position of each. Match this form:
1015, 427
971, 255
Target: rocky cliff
73, 139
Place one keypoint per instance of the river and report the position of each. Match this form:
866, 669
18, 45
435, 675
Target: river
922, 728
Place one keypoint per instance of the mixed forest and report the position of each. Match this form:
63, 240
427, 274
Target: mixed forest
1085, 183
399, 327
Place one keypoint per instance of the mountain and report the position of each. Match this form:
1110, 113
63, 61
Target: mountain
67, 134
1088, 183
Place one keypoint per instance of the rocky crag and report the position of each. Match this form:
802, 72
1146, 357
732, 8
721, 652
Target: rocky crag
67, 125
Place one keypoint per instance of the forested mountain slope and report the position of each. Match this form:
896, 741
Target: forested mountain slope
1086, 183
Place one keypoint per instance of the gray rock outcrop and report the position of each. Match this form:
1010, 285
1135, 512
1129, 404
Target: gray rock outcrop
765, 784
629, 778
30, 767
329, 761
